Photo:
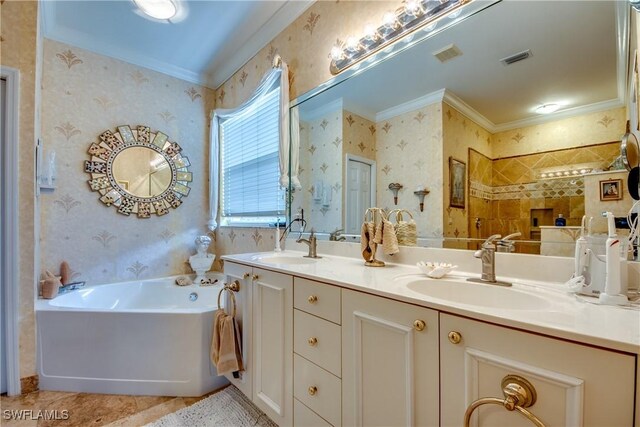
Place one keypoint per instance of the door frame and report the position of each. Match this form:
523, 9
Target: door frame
372, 164
11, 239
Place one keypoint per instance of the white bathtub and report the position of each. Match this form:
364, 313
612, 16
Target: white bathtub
143, 337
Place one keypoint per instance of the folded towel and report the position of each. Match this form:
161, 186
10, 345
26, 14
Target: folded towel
389, 238
225, 351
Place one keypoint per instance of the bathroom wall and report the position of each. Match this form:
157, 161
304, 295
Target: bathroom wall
459, 133
85, 94
304, 45
18, 45
409, 152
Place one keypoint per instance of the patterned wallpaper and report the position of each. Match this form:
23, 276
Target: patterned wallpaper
100, 244
409, 151
18, 46
304, 45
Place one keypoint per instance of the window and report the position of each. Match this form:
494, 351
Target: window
249, 142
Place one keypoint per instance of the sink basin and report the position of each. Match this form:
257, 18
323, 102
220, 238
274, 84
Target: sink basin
283, 259
478, 294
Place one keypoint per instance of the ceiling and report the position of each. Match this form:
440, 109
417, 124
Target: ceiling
576, 62
206, 46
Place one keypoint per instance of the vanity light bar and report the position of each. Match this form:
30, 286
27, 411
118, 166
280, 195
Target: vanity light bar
413, 15
569, 173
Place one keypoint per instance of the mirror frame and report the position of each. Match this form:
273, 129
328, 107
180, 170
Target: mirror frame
100, 168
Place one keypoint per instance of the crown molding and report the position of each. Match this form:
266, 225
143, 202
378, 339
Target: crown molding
414, 104
280, 20
321, 110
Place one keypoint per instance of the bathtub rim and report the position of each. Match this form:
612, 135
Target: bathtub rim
43, 304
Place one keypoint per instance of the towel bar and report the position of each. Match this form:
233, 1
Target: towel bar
519, 394
231, 288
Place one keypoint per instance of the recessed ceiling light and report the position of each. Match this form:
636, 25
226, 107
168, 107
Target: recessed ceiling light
547, 108
158, 9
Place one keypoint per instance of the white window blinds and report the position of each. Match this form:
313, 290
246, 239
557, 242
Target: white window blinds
250, 164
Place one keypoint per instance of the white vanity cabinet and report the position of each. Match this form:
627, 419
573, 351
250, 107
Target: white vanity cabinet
267, 306
576, 385
389, 362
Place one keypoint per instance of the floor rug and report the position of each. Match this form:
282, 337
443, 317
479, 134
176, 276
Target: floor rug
228, 407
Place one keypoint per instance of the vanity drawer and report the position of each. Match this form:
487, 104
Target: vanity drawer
317, 389
318, 341
305, 417
317, 298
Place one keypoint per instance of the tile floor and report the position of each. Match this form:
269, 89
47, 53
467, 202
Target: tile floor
86, 409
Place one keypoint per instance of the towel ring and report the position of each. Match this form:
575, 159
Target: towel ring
518, 395
231, 288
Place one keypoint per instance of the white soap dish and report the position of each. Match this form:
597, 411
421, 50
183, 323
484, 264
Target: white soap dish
436, 270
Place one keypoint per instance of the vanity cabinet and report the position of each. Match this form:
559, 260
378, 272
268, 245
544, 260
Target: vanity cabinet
268, 343
389, 362
576, 385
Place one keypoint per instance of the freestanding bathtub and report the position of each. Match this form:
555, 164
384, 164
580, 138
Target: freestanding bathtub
144, 338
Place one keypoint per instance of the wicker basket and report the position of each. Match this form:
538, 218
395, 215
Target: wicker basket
405, 230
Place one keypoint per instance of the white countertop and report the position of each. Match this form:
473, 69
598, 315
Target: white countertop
565, 316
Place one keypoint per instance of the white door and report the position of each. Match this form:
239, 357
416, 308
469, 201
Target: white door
3, 320
359, 193
389, 362
273, 345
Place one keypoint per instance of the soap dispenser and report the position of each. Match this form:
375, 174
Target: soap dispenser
612, 294
561, 221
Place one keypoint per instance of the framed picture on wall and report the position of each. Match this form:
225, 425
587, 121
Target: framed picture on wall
457, 183
611, 189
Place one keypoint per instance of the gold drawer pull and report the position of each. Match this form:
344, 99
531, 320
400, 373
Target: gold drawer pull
419, 325
518, 395
246, 275
255, 277
312, 299
312, 390
455, 337
312, 341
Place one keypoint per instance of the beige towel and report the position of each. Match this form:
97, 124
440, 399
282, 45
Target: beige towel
389, 238
225, 351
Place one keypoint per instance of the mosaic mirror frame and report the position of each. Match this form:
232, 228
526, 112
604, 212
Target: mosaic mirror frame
103, 181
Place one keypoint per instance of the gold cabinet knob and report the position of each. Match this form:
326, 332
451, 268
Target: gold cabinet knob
312, 390
246, 275
312, 299
255, 277
455, 337
419, 325
312, 341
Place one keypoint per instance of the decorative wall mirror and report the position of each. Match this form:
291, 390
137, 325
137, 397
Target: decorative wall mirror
138, 171
470, 91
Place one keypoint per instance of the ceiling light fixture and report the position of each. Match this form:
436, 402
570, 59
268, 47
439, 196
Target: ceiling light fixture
158, 9
411, 16
547, 108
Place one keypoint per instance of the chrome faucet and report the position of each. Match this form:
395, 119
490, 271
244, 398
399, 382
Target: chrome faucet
335, 236
506, 244
312, 242
487, 254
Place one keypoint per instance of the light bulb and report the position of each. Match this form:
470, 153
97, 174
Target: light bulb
389, 20
413, 7
353, 44
158, 9
370, 32
336, 53
543, 175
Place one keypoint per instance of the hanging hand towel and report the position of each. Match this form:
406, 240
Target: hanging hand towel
224, 352
389, 238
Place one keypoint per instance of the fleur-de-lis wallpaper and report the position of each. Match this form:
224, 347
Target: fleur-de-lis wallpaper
106, 246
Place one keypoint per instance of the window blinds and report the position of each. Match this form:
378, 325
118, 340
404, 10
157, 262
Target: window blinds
250, 165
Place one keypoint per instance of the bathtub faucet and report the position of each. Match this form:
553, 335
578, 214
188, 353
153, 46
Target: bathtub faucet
70, 287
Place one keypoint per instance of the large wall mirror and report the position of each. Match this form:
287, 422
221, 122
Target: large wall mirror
459, 114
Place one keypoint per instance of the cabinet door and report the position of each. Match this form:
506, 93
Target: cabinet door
389, 368
576, 385
273, 345
242, 273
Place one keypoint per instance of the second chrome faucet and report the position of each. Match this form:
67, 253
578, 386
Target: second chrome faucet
487, 254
